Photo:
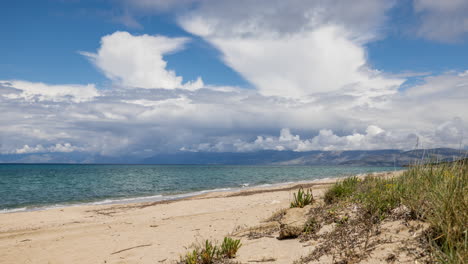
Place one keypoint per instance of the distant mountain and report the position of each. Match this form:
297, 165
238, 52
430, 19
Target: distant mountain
390, 157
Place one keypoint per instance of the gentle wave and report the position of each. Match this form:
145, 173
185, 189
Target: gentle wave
152, 198
160, 197
140, 199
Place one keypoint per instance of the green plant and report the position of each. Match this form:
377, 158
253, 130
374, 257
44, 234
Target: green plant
437, 194
341, 189
191, 257
302, 198
433, 193
229, 247
208, 253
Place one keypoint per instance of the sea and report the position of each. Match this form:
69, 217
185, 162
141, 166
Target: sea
28, 187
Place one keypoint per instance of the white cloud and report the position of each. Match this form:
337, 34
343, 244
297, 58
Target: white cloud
137, 61
46, 92
373, 138
131, 121
295, 49
65, 147
306, 59
444, 21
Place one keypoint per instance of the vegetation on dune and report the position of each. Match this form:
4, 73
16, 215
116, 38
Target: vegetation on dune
433, 193
209, 253
341, 190
302, 198
428, 204
229, 247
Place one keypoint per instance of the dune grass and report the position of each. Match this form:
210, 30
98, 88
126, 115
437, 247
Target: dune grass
434, 193
209, 252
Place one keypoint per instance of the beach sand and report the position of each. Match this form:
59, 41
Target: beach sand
157, 232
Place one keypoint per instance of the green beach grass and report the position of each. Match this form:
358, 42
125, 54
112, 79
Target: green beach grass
433, 193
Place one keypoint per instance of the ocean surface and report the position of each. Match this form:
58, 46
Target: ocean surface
40, 186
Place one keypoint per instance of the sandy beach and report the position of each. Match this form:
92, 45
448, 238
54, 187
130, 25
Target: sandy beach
157, 232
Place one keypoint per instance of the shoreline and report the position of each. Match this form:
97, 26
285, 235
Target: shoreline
99, 233
171, 197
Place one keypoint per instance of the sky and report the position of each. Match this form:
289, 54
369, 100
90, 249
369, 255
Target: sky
145, 77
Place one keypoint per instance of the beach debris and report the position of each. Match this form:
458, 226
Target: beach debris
125, 249
264, 259
258, 231
391, 258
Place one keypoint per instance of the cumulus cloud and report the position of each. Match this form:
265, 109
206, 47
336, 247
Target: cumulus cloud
297, 48
373, 138
444, 21
142, 122
138, 61
306, 59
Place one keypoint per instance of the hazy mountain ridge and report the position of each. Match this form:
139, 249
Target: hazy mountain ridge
390, 157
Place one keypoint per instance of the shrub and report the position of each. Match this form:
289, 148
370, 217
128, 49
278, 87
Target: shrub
229, 247
302, 198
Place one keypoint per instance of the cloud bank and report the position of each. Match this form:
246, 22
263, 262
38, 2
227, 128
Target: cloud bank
142, 122
314, 88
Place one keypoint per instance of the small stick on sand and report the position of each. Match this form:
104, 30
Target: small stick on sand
146, 245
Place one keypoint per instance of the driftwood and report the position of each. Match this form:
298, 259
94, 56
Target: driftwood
125, 249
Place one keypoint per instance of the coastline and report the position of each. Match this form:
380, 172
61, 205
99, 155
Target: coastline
163, 197
96, 233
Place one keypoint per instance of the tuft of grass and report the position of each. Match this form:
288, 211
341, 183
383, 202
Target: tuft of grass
209, 253
437, 194
191, 257
341, 189
379, 196
302, 198
434, 193
229, 247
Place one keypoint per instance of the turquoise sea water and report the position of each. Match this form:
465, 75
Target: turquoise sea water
35, 186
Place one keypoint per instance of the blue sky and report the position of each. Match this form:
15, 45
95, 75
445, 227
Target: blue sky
244, 75
53, 31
